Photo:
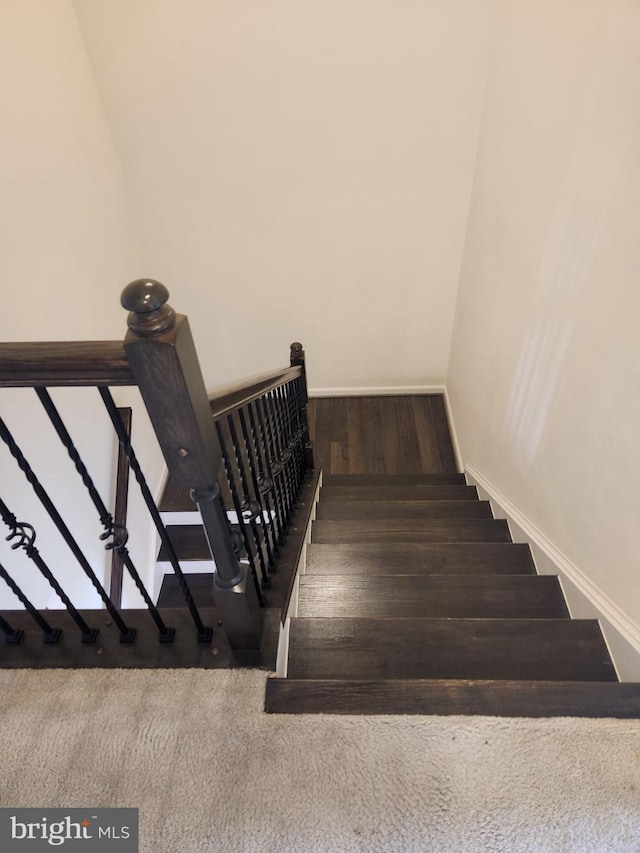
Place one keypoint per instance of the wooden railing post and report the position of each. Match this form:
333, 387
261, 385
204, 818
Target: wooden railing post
297, 359
161, 351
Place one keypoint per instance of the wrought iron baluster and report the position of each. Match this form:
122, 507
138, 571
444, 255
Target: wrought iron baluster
117, 532
256, 469
26, 537
276, 462
291, 438
127, 635
50, 635
250, 505
297, 408
266, 454
237, 505
204, 633
276, 416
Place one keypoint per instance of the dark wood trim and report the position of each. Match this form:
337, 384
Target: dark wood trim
64, 363
231, 397
120, 508
289, 557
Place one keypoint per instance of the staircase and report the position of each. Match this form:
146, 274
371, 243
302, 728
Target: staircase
414, 600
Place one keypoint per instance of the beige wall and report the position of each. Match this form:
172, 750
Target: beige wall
545, 372
67, 249
301, 171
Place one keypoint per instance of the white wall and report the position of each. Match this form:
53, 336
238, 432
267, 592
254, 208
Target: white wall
301, 171
544, 372
68, 248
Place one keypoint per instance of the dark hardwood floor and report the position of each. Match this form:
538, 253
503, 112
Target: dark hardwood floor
381, 435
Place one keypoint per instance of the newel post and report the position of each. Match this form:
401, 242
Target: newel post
161, 351
297, 359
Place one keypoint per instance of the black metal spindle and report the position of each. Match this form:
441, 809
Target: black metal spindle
292, 443
292, 388
255, 467
26, 537
204, 633
276, 463
297, 408
251, 507
127, 635
49, 635
237, 505
268, 485
12, 635
117, 532
276, 415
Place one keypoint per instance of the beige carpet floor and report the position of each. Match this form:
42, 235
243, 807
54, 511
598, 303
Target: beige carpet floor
210, 772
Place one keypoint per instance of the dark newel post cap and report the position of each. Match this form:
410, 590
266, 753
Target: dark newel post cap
149, 313
297, 351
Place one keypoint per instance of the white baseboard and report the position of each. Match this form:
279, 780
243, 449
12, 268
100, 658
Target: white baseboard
621, 631
452, 430
377, 391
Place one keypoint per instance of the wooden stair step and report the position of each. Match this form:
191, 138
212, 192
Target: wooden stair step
513, 649
352, 510
368, 558
417, 492
432, 596
488, 698
410, 530
392, 479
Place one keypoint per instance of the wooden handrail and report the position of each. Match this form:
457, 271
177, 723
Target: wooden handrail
64, 363
229, 397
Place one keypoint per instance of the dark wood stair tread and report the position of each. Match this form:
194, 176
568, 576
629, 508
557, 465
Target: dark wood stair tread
407, 530
417, 491
542, 649
369, 558
435, 696
392, 479
189, 542
200, 585
352, 510
432, 596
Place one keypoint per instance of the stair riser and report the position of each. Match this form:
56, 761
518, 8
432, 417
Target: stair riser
486, 698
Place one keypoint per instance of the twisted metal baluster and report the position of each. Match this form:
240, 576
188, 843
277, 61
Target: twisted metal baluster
251, 509
274, 466
50, 635
127, 635
117, 532
204, 633
26, 537
237, 504
255, 467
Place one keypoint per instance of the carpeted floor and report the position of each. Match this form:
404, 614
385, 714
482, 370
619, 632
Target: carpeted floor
210, 772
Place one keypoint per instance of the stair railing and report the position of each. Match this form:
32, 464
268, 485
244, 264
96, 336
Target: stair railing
241, 455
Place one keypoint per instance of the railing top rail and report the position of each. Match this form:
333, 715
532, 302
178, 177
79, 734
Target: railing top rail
230, 397
64, 363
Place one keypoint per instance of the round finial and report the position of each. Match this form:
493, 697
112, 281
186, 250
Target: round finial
297, 350
146, 300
